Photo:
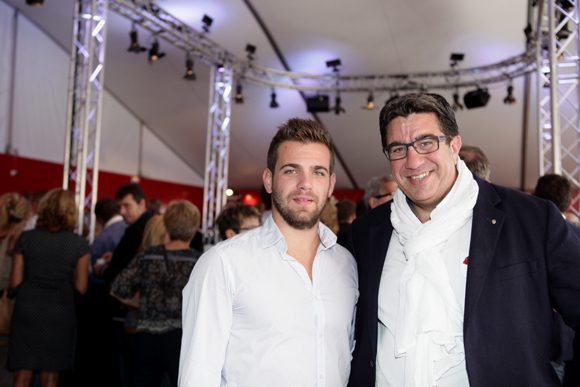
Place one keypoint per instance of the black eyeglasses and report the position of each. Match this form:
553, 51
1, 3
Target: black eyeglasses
423, 146
384, 195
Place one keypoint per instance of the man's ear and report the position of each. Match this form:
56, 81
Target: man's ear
143, 203
230, 233
455, 147
332, 183
267, 180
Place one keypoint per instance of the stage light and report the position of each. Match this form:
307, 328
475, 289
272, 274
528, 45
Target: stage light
338, 105
476, 98
509, 100
206, 23
34, 3
135, 47
317, 104
456, 104
251, 50
189, 74
154, 53
273, 103
335, 64
239, 97
455, 59
229, 192
370, 102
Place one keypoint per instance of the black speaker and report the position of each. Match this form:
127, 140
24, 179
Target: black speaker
476, 98
318, 104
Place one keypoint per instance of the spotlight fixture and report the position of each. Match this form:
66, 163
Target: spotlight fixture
273, 103
251, 50
239, 97
220, 68
370, 102
135, 47
320, 103
338, 105
455, 59
154, 53
476, 98
206, 23
34, 3
456, 104
509, 100
335, 64
189, 74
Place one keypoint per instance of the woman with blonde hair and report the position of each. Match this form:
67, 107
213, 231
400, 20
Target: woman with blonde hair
160, 273
50, 262
14, 211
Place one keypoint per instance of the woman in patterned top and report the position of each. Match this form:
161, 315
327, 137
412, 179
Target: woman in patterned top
160, 273
50, 262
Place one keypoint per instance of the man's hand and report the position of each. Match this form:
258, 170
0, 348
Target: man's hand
97, 268
107, 256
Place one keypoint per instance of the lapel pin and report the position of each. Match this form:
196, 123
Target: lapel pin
493, 221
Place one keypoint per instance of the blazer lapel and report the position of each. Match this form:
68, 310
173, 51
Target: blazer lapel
379, 238
486, 226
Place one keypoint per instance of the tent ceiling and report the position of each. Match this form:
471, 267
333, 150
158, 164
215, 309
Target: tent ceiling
369, 36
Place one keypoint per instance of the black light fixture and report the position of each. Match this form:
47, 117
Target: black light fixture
456, 104
273, 103
34, 3
251, 50
338, 105
239, 97
509, 100
317, 104
476, 98
154, 53
455, 59
135, 47
335, 64
189, 74
206, 23
370, 102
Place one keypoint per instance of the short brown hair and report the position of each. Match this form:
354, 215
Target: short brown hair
304, 132
419, 103
57, 211
181, 220
233, 215
346, 209
13, 210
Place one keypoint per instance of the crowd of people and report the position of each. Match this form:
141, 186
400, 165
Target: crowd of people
310, 290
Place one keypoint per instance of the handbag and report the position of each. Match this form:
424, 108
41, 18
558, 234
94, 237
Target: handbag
6, 310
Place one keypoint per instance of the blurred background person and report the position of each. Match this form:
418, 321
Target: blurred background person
329, 216
558, 190
49, 263
33, 198
476, 161
379, 190
346, 214
235, 218
159, 274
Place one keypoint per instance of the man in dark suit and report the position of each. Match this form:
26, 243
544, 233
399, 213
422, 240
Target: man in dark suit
457, 276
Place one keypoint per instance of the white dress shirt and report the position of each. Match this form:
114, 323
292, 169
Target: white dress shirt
391, 370
252, 317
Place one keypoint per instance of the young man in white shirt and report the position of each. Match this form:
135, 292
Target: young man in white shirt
274, 306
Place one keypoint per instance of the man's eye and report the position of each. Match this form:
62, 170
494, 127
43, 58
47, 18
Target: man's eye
290, 171
398, 149
319, 173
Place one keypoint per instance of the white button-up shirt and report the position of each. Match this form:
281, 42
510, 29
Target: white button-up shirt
252, 317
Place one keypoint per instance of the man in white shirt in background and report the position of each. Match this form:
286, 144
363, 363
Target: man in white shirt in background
274, 306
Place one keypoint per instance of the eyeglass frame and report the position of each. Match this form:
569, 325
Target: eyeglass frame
439, 139
384, 195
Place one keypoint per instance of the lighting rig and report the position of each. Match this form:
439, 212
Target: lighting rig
154, 53
273, 103
189, 74
135, 47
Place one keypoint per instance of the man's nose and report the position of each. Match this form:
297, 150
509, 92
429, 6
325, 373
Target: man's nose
413, 159
305, 181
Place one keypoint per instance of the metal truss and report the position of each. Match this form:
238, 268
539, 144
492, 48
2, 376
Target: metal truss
153, 18
217, 150
85, 99
558, 76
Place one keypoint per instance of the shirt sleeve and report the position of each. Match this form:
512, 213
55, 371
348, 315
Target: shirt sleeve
207, 320
20, 246
128, 282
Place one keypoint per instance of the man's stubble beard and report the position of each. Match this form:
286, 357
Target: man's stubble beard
290, 217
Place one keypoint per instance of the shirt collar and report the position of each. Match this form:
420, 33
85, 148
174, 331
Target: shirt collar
113, 220
271, 235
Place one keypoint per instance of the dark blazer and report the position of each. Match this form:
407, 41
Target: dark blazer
524, 259
127, 247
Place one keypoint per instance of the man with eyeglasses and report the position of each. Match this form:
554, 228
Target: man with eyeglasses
458, 277
379, 190
235, 218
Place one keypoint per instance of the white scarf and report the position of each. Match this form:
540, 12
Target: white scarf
429, 330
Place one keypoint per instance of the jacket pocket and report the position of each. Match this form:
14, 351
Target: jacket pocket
518, 269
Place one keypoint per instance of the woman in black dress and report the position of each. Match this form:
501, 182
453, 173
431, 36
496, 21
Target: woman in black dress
49, 263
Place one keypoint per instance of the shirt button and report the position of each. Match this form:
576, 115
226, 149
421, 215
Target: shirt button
320, 335
372, 364
321, 376
316, 297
